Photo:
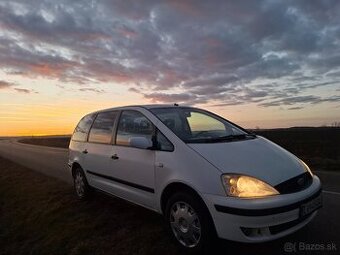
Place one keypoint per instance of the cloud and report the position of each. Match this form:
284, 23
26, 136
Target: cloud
5, 84
301, 99
25, 91
133, 89
9, 85
170, 98
270, 53
92, 90
295, 108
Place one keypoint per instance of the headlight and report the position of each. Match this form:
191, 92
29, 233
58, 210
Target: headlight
246, 186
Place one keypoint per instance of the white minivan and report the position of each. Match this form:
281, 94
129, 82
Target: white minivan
207, 176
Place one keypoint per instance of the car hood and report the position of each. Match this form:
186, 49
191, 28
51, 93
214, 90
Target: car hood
257, 157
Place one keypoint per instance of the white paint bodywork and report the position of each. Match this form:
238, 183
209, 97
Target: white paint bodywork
200, 167
259, 157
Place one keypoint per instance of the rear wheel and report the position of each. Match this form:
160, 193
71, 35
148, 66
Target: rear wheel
190, 222
81, 187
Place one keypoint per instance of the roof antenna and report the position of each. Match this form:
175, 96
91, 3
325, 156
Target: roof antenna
175, 104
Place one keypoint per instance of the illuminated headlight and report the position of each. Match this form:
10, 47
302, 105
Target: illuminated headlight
246, 186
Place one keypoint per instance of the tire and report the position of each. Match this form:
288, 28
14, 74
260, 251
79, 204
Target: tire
81, 187
190, 223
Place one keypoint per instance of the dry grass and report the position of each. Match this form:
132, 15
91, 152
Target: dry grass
40, 215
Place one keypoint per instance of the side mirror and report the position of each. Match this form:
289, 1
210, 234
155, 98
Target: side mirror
140, 142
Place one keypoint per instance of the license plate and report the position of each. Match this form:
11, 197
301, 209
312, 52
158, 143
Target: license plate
311, 206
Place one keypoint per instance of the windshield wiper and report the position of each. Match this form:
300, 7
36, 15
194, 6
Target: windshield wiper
222, 138
233, 137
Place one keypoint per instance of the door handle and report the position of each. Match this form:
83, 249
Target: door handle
114, 156
159, 164
85, 151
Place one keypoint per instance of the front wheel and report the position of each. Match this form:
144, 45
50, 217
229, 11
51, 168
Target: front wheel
190, 222
81, 187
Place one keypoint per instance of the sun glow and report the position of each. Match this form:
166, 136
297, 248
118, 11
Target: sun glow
48, 119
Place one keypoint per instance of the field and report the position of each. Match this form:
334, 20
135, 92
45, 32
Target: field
318, 147
60, 142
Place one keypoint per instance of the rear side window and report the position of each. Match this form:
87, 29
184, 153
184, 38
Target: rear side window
82, 129
101, 131
133, 124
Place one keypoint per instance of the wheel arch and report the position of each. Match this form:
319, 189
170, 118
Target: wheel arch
75, 165
174, 187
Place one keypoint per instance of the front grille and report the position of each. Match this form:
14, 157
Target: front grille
295, 184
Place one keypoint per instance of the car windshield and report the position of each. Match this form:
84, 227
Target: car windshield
193, 125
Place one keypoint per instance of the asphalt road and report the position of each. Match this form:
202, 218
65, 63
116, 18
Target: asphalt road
321, 236
47, 160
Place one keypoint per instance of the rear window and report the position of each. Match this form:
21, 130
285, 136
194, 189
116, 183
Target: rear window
102, 128
82, 129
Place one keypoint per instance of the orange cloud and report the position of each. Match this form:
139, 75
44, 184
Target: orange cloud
50, 70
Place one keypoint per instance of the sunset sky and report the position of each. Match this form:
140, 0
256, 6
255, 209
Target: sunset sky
258, 63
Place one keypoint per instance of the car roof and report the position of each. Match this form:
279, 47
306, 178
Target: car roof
148, 106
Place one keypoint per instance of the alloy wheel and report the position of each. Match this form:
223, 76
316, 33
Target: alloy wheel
185, 224
79, 184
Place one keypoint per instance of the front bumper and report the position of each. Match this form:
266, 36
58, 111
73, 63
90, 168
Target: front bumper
260, 220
